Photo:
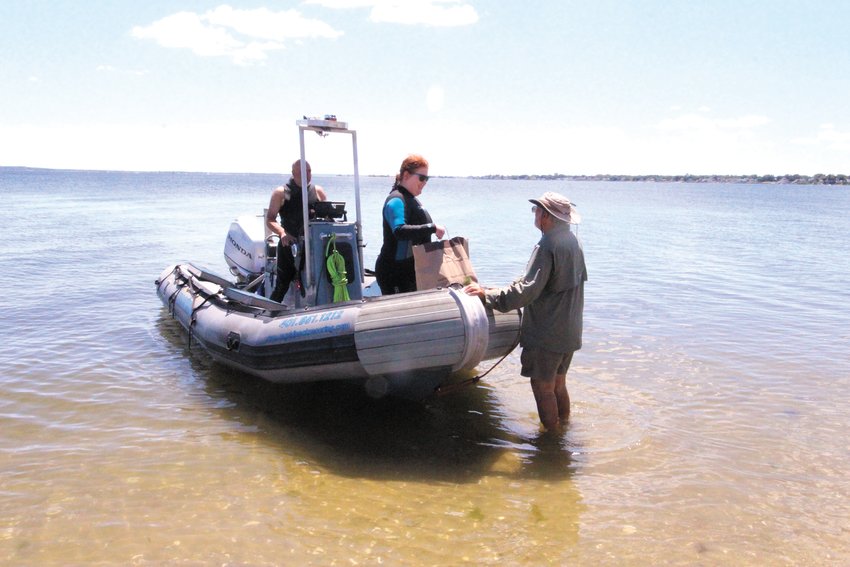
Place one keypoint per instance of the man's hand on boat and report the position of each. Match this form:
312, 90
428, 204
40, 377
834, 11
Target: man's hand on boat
476, 290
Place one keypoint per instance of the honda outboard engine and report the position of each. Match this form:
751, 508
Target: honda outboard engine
245, 248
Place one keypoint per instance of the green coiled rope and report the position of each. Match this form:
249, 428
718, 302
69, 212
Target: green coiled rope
336, 268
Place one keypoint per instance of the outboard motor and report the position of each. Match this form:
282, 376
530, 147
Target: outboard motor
245, 249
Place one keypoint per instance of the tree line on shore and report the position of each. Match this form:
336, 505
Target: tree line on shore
791, 179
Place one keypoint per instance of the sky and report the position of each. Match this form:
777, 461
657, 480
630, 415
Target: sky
478, 87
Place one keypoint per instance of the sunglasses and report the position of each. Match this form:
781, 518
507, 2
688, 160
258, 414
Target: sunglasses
422, 177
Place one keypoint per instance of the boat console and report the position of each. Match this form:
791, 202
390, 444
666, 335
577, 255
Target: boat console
329, 210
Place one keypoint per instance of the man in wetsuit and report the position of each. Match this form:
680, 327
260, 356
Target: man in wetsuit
287, 201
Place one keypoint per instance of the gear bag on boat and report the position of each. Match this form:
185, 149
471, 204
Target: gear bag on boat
442, 263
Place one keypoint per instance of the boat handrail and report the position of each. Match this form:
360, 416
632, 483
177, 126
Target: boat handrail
202, 274
324, 126
253, 299
209, 289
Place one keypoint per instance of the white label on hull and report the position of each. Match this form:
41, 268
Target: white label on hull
313, 325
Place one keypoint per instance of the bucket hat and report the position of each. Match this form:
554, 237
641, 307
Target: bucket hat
559, 207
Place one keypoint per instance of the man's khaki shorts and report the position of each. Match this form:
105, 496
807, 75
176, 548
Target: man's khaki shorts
544, 365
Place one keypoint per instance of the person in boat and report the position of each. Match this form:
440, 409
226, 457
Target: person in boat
552, 293
287, 203
406, 223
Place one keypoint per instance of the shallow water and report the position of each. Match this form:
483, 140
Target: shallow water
709, 400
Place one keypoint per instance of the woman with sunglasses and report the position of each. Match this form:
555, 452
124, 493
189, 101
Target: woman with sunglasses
406, 223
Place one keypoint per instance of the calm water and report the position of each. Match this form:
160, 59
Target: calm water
710, 400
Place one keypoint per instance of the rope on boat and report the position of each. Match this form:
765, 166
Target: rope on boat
443, 389
336, 269
193, 318
172, 299
448, 388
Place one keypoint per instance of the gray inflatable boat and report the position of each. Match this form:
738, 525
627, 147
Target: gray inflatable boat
405, 344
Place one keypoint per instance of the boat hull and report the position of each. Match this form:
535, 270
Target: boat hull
405, 344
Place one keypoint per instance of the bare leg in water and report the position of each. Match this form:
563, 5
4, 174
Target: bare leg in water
553, 401
563, 397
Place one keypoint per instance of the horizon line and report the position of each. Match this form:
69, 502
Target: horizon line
835, 178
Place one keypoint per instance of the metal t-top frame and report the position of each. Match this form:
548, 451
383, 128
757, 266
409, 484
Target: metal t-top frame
323, 127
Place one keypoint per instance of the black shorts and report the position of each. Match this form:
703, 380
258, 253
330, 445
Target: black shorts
544, 365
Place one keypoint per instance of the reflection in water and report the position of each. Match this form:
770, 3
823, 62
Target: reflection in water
453, 438
424, 482
456, 437
549, 459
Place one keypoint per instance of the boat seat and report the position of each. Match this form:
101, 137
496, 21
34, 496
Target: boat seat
253, 299
208, 288
208, 276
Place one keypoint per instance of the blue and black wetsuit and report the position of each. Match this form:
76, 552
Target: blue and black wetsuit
406, 223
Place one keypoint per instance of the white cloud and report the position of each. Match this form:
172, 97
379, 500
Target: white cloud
188, 30
435, 98
701, 144
696, 124
827, 137
245, 36
275, 26
453, 148
343, 4
444, 13
146, 147
836, 140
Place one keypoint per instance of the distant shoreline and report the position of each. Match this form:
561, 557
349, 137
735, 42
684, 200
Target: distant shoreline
819, 179
788, 179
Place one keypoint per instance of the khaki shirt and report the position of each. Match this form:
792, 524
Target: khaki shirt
552, 292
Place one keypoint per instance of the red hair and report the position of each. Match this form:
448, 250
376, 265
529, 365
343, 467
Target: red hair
410, 164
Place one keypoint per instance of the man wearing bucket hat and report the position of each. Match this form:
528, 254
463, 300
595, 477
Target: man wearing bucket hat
552, 293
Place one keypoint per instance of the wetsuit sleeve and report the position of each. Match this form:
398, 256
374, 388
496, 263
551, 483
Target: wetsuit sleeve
525, 289
394, 215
